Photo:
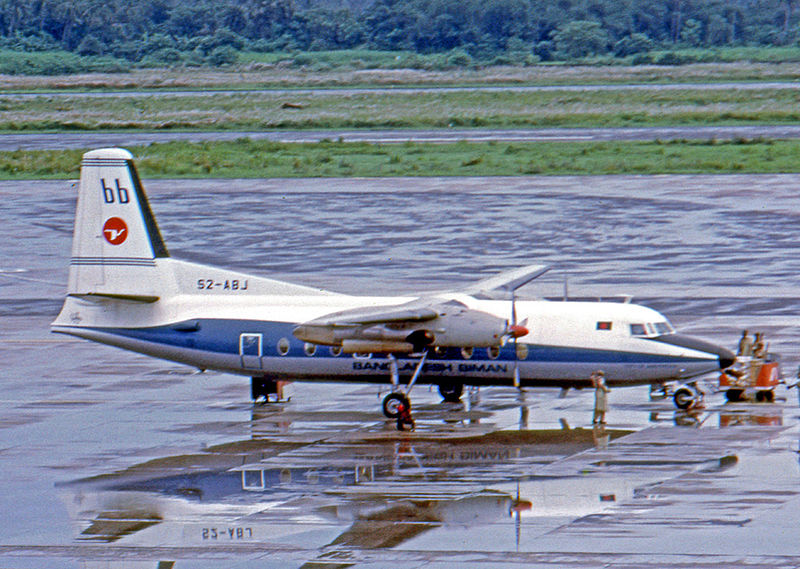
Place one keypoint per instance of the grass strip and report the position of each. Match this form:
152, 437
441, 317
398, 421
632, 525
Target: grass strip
246, 158
368, 69
402, 109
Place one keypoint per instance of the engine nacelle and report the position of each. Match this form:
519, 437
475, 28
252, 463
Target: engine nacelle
376, 347
455, 327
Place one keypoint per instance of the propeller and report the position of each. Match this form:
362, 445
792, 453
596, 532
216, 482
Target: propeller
517, 507
516, 330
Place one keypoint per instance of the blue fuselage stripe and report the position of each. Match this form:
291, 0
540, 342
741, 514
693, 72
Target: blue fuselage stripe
222, 336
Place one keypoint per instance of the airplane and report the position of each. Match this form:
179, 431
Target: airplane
125, 290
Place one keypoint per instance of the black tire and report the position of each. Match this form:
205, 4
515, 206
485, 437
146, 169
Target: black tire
391, 401
733, 395
451, 392
262, 387
765, 396
684, 398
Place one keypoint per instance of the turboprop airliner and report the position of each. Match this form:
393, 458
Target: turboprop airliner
126, 290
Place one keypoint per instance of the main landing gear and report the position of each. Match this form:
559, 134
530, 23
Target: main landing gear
392, 401
265, 387
398, 394
450, 391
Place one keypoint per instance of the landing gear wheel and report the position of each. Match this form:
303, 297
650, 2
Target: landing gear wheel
451, 392
765, 396
733, 395
262, 387
391, 401
684, 398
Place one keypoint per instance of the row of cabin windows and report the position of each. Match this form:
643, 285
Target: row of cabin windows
466, 353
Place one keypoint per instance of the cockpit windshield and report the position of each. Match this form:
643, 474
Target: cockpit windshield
664, 328
652, 329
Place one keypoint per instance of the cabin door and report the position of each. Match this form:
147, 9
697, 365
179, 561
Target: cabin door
251, 350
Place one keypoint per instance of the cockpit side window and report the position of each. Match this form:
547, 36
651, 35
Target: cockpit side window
638, 330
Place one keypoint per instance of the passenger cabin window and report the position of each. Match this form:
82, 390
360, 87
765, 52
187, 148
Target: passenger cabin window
604, 325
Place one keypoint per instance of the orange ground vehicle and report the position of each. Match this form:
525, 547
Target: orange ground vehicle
751, 377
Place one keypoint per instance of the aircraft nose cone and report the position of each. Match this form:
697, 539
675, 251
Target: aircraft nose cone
517, 331
725, 356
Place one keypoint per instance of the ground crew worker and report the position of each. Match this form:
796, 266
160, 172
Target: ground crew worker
759, 349
745, 345
600, 397
404, 417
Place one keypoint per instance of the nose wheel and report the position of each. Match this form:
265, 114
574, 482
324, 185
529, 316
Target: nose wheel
688, 396
392, 401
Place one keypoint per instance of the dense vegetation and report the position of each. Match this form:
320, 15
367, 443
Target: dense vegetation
216, 32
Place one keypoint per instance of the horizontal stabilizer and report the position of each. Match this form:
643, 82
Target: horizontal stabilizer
128, 297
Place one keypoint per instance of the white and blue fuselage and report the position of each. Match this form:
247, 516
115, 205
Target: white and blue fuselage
126, 291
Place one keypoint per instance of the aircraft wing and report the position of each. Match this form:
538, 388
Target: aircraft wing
415, 311
508, 281
405, 328
421, 323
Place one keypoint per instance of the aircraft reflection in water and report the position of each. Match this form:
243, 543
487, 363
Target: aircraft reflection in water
125, 290
388, 490
379, 491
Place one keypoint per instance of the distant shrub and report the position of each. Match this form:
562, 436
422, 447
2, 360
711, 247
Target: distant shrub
302, 60
642, 59
223, 55
633, 44
458, 58
544, 50
166, 56
505, 60
90, 45
672, 58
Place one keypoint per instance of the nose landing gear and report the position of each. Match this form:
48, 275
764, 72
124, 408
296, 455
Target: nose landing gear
688, 396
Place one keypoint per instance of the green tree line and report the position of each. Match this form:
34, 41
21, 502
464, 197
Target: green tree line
215, 31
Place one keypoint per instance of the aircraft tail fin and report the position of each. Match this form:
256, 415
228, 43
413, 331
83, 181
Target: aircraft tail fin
118, 253
116, 240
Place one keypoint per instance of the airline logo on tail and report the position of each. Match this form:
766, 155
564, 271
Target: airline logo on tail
115, 230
